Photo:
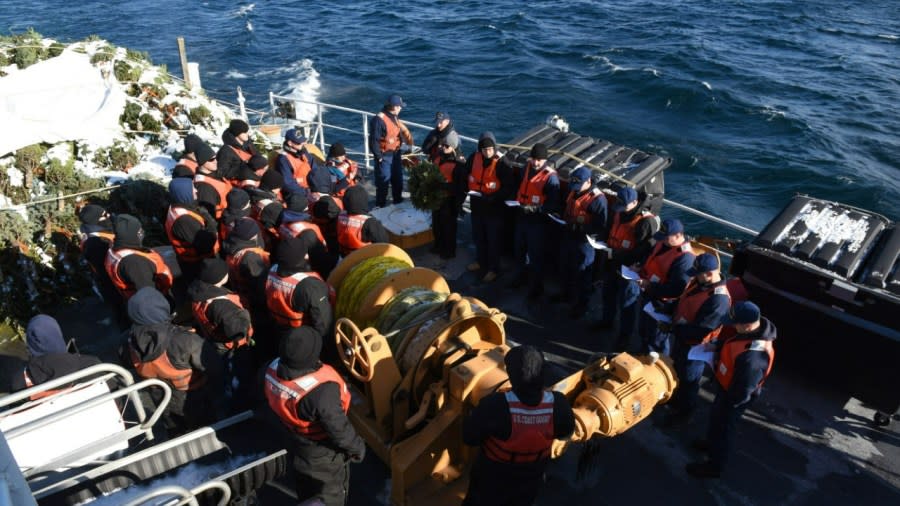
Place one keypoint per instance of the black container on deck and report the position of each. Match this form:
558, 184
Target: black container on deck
826, 274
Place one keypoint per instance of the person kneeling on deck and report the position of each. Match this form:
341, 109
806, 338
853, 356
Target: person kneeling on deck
443, 220
744, 361
129, 265
515, 430
355, 228
310, 399
48, 357
697, 321
295, 295
585, 214
157, 348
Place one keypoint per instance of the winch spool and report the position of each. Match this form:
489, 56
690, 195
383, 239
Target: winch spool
361, 280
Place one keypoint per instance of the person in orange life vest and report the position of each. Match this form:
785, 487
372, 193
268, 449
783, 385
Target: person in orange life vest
697, 320
630, 239
387, 133
538, 194
663, 278
97, 236
295, 222
443, 219
266, 200
236, 150
443, 127
238, 209
129, 265
745, 359
515, 430
48, 356
325, 213
251, 172
157, 348
192, 232
308, 403
248, 265
347, 171
294, 294
355, 228
326, 179
295, 163
188, 161
494, 181
584, 214
212, 188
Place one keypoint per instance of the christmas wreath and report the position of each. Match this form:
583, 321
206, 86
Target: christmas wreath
427, 186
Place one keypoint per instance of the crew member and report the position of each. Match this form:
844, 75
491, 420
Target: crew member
452, 166
129, 265
157, 348
191, 230
188, 160
387, 134
697, 320
48, 357
584, 214
212, 187
238, 209
97, 235
443, 127
311, 400
248, 264
236, 149
491, 182
538, 194
515, 430
744, 361
295, 163
355, 228
294, 219
294, 294
347, 173
630, 233
251, 172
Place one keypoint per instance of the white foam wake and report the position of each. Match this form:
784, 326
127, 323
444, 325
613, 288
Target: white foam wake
244, 10
303, 85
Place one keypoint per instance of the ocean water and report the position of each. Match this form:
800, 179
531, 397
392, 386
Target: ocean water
754, 100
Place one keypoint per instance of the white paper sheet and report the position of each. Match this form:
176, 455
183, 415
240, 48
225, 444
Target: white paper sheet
597, 244
511, 203
650, 310
703, 352
630, 274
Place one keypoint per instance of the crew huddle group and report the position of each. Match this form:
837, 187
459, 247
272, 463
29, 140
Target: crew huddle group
254, 244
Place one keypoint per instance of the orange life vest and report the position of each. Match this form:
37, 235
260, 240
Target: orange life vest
300, 168
349, 232
221, 187
191, 164
531, 190
245, 156
241, 285
186, 251
284, 396
391, 140
577, 207
280, 293
483, 179
531, 435
730, 351
656, 268
40, 395
294, 229
212, 331
692, 299
106, 236
161, 367
163, 276
446, 167
622, 233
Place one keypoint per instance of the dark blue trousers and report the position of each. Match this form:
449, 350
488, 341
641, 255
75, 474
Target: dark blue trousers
530, 243
486, 232
723, 421
689, 372
576, 265
389, 173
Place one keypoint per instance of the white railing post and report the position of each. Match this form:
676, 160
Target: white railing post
320, 130
365, 130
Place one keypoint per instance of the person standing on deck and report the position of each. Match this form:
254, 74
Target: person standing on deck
443, 220
212, 187
48, 356
355, 228
387, 133
129, 265
191, 230
443, 127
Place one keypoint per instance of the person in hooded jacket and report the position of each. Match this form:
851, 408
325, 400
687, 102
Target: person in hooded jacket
236, 149
443, 127
248, 263
310, 401
297, 296
295, 163
295, 219
212, 187
251, 172
325, 213
584, 214
266, 203
515, 430
157, 348
355, 228
744, 361
191, 230
129, 265
491, 181
452, 166
238, 209
188, 160
48, 356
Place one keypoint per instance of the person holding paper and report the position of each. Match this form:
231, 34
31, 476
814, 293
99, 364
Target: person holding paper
697, 320
538, 194
452, 166
491, 182
585, 213
744, 362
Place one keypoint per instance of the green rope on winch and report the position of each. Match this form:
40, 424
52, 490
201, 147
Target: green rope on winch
403, 308
360, 281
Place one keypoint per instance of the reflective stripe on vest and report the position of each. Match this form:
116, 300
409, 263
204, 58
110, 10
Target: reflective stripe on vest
107, 237
161, 367
622, 234
212, 331
349, 232
283, 397
577, 208
280, 294
484, 179
531, 190
221, 187
391, 140
190, 164
690, 302
730, 351
531, 435
656, 268
294, 229
163, 276
183, 250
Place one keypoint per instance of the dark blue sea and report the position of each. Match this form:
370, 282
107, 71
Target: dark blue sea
754, 100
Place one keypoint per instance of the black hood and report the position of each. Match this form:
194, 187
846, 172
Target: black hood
299, 351
200, 290
129, 232
148, 306
230, 215
229, 139
356, 200
150, 341
44, 336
